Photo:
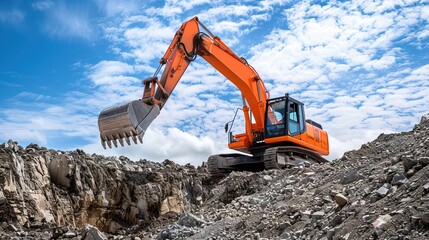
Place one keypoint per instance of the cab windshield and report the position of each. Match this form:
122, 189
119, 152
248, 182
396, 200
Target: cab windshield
284, 116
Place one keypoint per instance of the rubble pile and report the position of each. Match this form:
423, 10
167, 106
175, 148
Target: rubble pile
380, 191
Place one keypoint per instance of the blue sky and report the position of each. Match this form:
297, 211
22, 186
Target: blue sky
361, 67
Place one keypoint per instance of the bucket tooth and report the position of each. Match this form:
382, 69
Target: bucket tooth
134, 139
125, 121
109, 144
104, 138
121, 141
127, 138
103, 143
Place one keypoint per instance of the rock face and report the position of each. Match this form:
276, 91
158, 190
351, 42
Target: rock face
380, 191
42, 188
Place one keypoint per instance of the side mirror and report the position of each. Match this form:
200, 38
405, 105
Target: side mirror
226, 127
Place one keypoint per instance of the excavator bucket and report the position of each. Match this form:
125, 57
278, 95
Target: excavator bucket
125, 122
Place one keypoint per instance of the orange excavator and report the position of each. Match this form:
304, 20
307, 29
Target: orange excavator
277, 135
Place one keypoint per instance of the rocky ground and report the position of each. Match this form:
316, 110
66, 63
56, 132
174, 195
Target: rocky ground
380, 191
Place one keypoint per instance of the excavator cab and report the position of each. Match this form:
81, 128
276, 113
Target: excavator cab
284, 116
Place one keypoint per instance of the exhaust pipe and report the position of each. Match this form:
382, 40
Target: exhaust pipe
126, 121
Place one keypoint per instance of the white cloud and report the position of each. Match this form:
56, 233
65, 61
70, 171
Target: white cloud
188, 4
140, 38
268, 4
64, 21
114, 7
14, 16
9, 84
42, 5
173, 144
32, 96
148, 43
107, 73
43, 124
381, 63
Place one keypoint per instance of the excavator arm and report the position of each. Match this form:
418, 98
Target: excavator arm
132, 119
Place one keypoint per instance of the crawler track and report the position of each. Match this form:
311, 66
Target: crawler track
212, 166
288, 156
272, 158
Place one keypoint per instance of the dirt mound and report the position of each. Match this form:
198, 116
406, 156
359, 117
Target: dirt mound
380, 191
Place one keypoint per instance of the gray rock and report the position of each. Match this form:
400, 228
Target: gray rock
30, 150
426, 187
164, 235
393, 189
190, 220
12, 145
280, 198
424, 161
60, 170
332, 193
266, 179
284, 225
285, 235
382, 191
410, 173
395, 160
408, 161
350, 177
367, 218
70, 234
424, 118
399, 179
12, 227
261, 226
92, 233
415, 220
305, 215
174, 231
425, 219
318, 215
330, 234
336, 220
380, 224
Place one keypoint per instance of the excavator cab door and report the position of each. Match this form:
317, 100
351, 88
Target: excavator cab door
284, 116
